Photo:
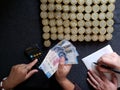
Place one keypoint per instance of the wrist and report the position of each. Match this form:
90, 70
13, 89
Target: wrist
6, 84
63, 80
66, 84
2, 84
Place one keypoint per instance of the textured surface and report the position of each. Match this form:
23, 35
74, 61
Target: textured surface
20, 27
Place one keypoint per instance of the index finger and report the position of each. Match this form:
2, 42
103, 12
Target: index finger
30, 65
106, 59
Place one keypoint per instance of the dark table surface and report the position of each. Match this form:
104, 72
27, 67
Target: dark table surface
20, 27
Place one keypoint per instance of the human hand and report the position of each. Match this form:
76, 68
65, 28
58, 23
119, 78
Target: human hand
112, 60
101, 82
18, 74
63, 70
61, 75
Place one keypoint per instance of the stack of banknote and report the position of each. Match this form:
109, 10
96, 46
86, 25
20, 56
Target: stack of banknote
63, 49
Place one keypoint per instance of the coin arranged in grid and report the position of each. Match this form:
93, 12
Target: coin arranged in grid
77, 20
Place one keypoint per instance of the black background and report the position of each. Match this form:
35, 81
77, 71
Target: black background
20, 27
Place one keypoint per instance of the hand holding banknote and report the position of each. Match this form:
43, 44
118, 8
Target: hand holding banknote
63, 70
61, 75
63, 49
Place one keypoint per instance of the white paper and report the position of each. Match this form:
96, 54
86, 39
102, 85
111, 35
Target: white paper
88, 61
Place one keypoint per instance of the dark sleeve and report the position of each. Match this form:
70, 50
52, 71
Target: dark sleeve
76, 87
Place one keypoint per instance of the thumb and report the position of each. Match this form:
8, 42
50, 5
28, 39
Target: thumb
62, 61
30, 73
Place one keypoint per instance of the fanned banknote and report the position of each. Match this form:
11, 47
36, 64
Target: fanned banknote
63, 49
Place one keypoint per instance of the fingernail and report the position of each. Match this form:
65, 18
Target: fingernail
36, 60
36, 70
61, 61
90, 70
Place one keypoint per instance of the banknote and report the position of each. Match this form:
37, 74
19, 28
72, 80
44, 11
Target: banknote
60, 51
70, 52
50, 63
63, 49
